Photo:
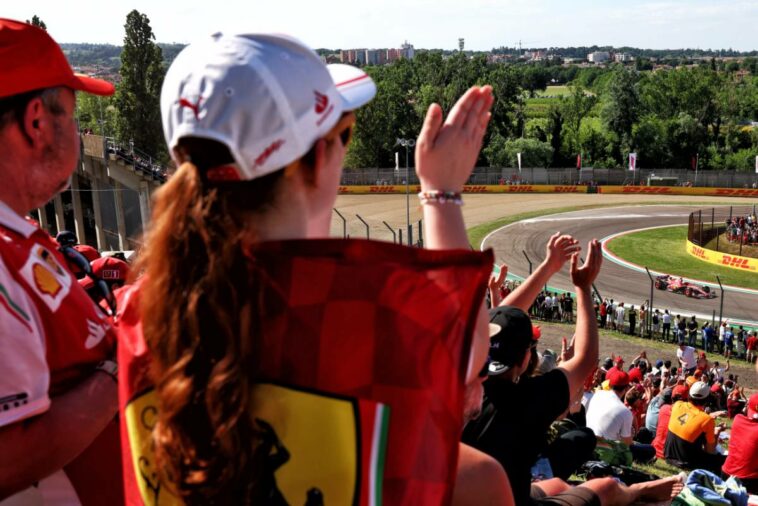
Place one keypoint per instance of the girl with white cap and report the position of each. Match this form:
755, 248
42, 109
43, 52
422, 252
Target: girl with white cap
262, 362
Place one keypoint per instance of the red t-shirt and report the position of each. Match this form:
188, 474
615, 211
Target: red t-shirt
742, 460
52, 336
661, 430
751, 342
384, 328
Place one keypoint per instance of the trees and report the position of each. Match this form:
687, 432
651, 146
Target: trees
621, 108
138, 94
36, 21
504, 153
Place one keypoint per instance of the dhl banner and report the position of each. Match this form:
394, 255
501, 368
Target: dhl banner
723, 259
494, 188
678, 190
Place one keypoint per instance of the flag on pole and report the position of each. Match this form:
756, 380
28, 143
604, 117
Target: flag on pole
578, 161
632, 161
694, 162
756, 164
518, 157
397, 161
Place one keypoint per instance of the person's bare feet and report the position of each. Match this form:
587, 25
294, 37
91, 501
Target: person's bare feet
660, 490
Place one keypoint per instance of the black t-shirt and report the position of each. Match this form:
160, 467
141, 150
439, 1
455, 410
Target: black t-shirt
514, 423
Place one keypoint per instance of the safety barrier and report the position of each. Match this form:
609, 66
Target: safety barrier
723, 259
528, 188
552, 188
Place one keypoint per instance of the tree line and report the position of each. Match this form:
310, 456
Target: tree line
672, 118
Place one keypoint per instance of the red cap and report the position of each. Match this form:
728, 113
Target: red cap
681, 391
619, 360
619, 379
536, 332
90, 253
635, 375
107, 269
32, 60
716, 387
752, 407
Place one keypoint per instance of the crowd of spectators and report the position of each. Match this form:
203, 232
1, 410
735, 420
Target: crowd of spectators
742, 229
140, 161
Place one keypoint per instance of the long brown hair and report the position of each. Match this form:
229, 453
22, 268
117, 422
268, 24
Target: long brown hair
200, 304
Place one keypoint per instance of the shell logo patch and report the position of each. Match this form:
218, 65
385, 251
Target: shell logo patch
45, 281
46, 277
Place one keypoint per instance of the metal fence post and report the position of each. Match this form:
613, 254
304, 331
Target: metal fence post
721, 308
420, 234
649, 323
400, 235
392, 230
700, 217
528, 261
365, 223
344, 224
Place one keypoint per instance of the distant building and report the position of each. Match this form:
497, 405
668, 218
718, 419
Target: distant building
360, 57
599, 57
623, 57
407, 50
393, 55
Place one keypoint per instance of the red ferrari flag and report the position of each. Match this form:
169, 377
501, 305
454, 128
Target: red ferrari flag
363, 354
578, 162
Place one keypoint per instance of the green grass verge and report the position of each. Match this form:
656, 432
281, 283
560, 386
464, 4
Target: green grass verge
664, 250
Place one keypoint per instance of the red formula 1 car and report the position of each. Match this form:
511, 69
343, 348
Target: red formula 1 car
678, 285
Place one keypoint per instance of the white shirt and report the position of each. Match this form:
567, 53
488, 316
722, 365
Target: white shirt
666, 318
620, 313
608, 417
686, 357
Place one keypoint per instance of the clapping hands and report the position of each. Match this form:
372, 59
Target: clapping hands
446, 152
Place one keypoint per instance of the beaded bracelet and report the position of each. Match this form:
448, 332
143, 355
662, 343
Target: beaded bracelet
440, 197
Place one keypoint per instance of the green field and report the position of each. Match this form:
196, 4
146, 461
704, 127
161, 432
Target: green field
554, 91
664, 250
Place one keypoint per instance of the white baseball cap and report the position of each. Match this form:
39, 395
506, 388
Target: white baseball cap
267, 97
700, 390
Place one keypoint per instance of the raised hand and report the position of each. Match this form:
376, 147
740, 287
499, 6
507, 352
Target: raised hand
497, 281
559, 250
446, 152
584, 276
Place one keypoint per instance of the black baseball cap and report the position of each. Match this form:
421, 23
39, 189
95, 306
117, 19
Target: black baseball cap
516, 336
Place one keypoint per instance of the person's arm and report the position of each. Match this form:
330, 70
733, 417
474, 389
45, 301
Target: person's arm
35, 448
559, 250
480, 480
586, 346
445, 156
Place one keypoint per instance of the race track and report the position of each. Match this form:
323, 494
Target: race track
615, 281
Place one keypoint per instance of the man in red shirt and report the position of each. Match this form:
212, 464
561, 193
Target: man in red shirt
57, 408
751, 343
742, 460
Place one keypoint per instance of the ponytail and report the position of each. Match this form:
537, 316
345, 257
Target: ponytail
200, 315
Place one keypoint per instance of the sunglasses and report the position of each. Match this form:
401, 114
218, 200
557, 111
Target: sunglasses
344, 127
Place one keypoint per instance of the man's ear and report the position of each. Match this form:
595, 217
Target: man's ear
34, 121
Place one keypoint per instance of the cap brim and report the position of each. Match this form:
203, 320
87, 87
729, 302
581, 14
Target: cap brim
356, 88
91, 85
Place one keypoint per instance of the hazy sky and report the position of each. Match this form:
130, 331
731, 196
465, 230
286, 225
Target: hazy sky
425, 23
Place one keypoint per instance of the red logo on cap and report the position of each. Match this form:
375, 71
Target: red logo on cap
195, 108
322, 102
268, 152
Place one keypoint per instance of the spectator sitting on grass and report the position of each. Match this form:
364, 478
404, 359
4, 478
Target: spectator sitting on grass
610, 419
692, 433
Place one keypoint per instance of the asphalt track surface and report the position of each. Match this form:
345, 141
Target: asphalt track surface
615, 281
